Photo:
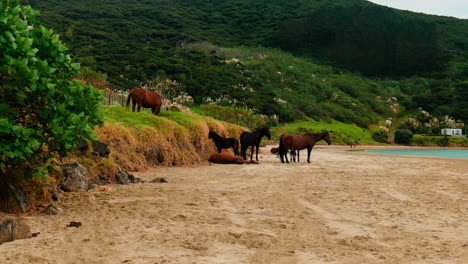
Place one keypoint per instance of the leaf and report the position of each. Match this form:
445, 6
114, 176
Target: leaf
34, 144
4, 122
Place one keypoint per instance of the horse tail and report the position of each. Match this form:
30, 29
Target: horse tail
282, 149
130, 95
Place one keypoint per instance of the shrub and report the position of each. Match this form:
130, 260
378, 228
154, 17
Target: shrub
403, 136
43, 111
380, 136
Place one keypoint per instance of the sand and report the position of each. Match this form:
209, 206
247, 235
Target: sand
342, 208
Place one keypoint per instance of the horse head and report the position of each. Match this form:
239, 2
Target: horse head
327, 138
211, 134
266, 132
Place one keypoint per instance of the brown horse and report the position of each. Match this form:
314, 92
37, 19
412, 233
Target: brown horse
228, 158
144, 99
300, 142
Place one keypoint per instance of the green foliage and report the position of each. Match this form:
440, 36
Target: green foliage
422, 140
403, 136
340, 133
135, 41
371, 39
380, 136
43, 111
238, 116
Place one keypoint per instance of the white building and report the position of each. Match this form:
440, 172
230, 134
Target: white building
451, 131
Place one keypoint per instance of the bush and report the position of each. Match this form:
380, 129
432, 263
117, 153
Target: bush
380, 136
403, 136
43, 111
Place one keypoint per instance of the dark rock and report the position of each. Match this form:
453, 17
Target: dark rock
123, 177
52, 210
74, 224
159, 180
75, 178
82, 146
134, 179
13, 229
101, 149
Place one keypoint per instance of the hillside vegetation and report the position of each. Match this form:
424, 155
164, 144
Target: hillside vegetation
344, 58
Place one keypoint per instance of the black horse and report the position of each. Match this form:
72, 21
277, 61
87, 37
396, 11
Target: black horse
224, 143
253, 139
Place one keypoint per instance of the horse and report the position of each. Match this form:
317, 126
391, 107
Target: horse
228, 158
253, 139
144, 99
300, 142
224, 143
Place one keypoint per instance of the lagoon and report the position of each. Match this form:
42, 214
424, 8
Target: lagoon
443, 153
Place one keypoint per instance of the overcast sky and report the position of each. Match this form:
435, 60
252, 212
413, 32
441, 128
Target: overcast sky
455, 8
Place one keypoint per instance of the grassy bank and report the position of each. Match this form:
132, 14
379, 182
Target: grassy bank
340, 133
440, 141
141, 140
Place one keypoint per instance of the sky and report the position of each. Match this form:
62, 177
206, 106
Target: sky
455, 8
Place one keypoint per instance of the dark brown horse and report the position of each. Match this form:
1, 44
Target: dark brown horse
144, 99
300, 142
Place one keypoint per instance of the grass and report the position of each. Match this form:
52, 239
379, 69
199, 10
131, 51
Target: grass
341, 133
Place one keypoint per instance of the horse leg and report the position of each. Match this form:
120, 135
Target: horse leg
219, 149
244, 151
298, 156
139, 107
256, 155
156, 110
309, 149
252, 152
133, 104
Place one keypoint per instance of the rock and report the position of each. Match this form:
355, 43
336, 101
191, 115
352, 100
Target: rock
52, 210
75, 178
82, 146
74, 224
100, 149
159, 180
123, 177
13, 229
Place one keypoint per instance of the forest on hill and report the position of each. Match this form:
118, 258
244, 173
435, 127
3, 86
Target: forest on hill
348, 60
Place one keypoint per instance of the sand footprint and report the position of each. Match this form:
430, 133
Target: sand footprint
343, 226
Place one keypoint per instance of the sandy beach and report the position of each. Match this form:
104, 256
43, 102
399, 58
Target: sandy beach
344, 208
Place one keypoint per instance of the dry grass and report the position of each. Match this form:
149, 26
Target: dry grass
176, 140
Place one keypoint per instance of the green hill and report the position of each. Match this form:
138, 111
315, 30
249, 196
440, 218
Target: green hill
346, 58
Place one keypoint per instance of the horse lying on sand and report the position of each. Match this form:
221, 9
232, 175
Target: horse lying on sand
228, 158
144, 99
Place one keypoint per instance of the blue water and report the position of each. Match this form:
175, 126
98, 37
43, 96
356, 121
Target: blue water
445, 153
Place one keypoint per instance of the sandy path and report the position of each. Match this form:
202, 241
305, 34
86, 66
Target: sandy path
342, 208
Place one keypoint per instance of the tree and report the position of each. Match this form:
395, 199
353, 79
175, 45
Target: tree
43, 110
